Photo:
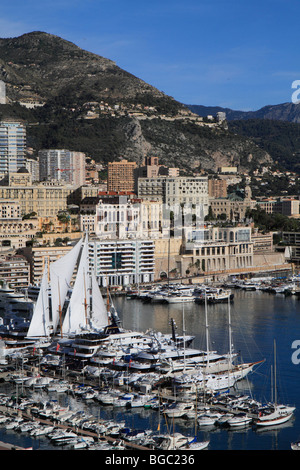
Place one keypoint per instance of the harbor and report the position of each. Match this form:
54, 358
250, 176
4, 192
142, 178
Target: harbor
256, 318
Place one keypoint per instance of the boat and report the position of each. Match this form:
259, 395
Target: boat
177, 410
63, 437
170, 441
240, 419
195, 445
275, 414
14, 301
67, 312
215, 296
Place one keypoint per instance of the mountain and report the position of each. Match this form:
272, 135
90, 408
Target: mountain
289, 112
87, 103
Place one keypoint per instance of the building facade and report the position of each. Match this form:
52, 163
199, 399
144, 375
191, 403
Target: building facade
122, 262
15, 271
44, 199
12, 146
219, 249
176, 191
14, 231
120, 176
63, 166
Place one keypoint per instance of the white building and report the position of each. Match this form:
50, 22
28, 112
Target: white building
62, 165
122, 262
2, 92
122, 217
176, 191
223, 248
12, 146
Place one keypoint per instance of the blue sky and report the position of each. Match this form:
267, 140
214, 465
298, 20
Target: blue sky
232, 53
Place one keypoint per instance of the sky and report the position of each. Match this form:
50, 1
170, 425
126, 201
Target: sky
230, 53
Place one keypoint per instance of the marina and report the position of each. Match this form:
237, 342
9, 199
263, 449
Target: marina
256, 317
146, 372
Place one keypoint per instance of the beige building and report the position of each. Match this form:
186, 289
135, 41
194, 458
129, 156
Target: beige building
37, 257
45, 200
233, 206
176, 191
224, 249
217, 187
120, 176
14, 270
14, 231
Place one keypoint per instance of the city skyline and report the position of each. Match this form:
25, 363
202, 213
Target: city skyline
231, 54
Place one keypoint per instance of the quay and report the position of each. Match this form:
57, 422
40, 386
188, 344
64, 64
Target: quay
82, 432
7, 446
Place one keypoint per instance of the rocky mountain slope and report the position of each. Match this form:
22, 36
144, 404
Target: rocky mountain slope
90, 104
288, 112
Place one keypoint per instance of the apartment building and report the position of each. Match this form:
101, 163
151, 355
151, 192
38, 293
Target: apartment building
292, 242
37, 257
12, 146
62, 166
122, 262
217, 187
15, 271
122, 217
120, 176
43, 199
176, 191
14, 231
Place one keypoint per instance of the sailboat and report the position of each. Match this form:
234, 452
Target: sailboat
86, 311
83, 312
275, 414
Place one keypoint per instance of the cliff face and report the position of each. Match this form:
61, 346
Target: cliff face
71, 82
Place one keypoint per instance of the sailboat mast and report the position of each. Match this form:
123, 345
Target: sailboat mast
275, 378
85, 302
206, 327
59, 310
230, 332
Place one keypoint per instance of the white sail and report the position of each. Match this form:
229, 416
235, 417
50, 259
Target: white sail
77, 312
98, 314
40, 324
86, 311
61, 272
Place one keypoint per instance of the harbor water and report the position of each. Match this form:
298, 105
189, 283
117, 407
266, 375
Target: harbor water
257, 319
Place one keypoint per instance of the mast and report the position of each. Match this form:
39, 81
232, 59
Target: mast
230, 333
275, 372
59, 309
206, 329
183, 327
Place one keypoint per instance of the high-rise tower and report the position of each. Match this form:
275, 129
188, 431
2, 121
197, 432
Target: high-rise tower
12, 146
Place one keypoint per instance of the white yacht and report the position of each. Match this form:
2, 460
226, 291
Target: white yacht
275, 415
14, 301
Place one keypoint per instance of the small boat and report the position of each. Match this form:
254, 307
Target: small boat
277, 414
170, 441
177, 410
240, 419
208, 418
195, 445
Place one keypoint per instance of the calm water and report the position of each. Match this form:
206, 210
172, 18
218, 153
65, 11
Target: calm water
257, 319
